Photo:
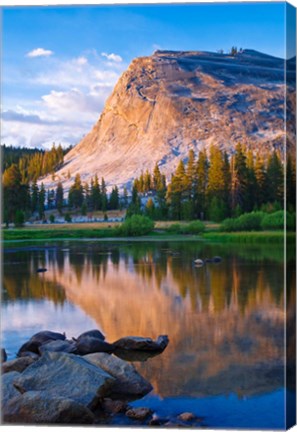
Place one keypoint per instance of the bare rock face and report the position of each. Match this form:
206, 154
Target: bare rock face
67, 376
36, 407
169, 102
128, 381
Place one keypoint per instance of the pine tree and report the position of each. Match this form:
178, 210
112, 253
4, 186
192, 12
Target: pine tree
59, 197
34, 196
275, 179
114, 199
261, 181
217, 207
41, 201
12, 192
76, 195
157, 178
150, 208
191, 175
96, 196
147, 182
104, 195
176, 191
202, 182
125, 197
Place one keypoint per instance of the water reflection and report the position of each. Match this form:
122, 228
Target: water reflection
225, 321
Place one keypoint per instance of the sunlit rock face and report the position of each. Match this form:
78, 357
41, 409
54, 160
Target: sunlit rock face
169, 102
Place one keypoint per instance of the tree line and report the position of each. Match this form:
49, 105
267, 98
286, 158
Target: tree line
212, 185
33, 163
216, 185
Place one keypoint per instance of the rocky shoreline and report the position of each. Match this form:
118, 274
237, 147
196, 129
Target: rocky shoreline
54, 380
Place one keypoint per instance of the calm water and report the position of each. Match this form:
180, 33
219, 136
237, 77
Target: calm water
225, 321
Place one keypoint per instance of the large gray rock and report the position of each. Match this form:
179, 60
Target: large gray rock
88, 344
58, 346
38, 407
92, 333
7, 387
68, 376
140, 343
18, 364
128, 380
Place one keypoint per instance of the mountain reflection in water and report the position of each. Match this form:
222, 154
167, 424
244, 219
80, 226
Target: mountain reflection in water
225, 321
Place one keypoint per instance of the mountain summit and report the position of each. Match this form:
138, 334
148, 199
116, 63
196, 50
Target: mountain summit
169, 102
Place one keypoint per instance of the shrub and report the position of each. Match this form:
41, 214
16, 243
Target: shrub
19, 218
194, 227
136, 225
276, 221
174, 228
52, 218
246, 222
67, 217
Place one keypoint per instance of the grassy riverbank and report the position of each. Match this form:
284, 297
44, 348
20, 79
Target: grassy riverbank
105, 231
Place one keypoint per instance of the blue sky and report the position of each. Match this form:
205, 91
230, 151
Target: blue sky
60, 63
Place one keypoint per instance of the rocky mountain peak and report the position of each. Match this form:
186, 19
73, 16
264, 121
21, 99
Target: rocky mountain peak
171, 101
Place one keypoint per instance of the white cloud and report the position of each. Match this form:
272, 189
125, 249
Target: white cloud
112, 57
72, 94
39, 52
82, 61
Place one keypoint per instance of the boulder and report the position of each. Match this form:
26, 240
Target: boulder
67, 376
217, 259
3, 355
140, 343
198, 262
186, 417
46, 335
139, 413
7, 387
127, 380
88, 344
39, 339
135, 355
30, 346
29, 354
36, 407
92, 333
58, 346
18, 364
111, 406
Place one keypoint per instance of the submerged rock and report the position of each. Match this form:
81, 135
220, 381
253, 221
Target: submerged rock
88, 345
18, 364
127, 382
92, 333
140, 343
187, 416
41, 270
139, 413
68, 376
36, 407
